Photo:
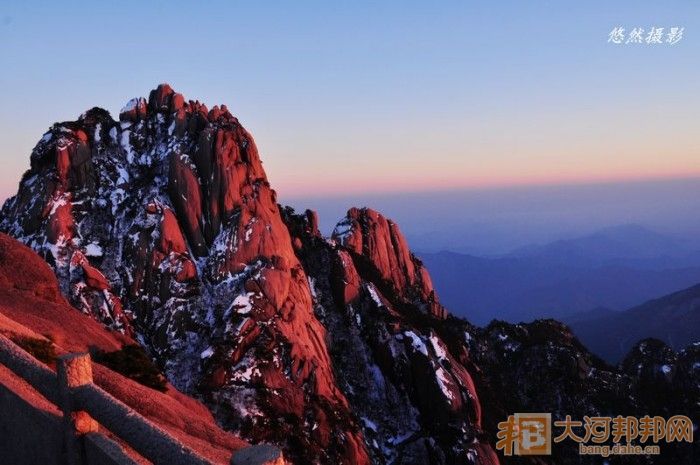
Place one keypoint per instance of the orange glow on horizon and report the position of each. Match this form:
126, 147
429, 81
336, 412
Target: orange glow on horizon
314, 187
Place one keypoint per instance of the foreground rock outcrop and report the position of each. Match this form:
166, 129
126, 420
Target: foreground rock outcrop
35, 314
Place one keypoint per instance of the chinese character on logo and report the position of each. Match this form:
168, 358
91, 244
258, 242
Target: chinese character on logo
597, 429
526, 434
626, 428
653, 428
568, 424
679, 428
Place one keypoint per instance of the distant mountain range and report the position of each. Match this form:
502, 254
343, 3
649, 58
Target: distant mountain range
615, 268
624, 245
674, 318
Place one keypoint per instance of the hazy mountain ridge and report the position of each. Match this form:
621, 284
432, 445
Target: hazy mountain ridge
615, 245
674, 319
615, 268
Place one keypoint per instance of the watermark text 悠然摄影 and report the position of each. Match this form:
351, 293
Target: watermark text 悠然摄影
649, 36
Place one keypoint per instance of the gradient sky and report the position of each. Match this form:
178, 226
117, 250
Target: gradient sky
352, 97
492, 221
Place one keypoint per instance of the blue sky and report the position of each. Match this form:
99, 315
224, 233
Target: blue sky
348, 97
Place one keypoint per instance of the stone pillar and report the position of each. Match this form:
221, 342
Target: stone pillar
262, 454
74, 370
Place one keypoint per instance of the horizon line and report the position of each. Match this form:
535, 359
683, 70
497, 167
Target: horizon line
575, 182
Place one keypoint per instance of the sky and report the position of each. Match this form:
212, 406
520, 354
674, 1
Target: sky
355, 98
496, 221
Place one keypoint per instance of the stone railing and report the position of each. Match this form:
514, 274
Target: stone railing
85, 406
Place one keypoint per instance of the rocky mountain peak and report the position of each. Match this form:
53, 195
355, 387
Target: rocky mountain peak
380, 247
164, 226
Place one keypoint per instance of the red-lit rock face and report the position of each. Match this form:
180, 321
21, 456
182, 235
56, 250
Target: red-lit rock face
380, 246
22, 271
